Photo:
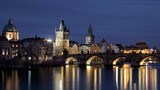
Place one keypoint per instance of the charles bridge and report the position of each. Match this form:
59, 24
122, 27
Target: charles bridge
87, 59
112, 58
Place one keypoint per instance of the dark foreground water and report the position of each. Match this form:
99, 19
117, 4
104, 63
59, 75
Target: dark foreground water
81, 78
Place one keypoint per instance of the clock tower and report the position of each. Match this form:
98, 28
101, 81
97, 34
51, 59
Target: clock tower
90, 36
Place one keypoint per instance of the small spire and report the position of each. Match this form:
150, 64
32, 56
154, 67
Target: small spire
10, 21
55, 30
90, 30
62, 25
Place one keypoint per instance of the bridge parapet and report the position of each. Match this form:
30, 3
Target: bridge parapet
108, 58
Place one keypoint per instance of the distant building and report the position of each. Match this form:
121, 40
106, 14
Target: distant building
84, 48
95, 48
115, 48
142, 47
139, 47
5, 48
73, 47
61, 39
36, 49
103, 46
11, 33
90, 37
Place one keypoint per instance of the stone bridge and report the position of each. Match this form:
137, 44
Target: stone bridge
112, 58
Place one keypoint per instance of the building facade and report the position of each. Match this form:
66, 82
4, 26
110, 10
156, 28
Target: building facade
61, 39
36, 49
73, 47
11, 33
84, 48
5, 48
139, 47
95, 48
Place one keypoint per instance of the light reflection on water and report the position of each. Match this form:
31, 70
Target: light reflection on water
81, 78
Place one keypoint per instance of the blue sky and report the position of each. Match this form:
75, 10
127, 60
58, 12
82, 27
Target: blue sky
118, 21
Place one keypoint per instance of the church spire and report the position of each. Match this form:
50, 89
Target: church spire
90, 30
62, 26
90, 36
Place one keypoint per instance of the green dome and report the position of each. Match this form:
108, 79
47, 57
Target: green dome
10, 27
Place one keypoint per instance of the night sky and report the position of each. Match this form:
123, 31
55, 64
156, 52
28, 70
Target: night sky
118, 21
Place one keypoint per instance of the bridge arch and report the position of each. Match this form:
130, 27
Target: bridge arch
70, 60
118, 59
95, 60
147, 58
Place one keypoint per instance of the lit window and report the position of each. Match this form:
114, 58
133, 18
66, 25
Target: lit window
29, 58
6, 52
10, 35
12, 45
3, 52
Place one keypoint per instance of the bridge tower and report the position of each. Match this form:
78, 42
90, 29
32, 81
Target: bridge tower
61, 39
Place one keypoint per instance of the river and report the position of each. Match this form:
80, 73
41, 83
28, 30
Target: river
72, 77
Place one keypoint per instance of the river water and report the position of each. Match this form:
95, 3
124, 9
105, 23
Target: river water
81, 78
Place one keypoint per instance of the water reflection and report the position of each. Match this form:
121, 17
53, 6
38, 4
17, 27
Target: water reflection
81, 78
124, 80
71, 78
29, 80
93, 78
10, 80
74, 78
58, 78
147, 78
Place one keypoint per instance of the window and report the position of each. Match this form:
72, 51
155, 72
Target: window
7, 52
3, 52
10, 36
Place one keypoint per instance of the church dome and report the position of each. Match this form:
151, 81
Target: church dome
9, 27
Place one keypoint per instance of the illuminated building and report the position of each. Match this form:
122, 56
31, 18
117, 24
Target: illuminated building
90, 36
95, 48
11, 33
73, 47
84, 48
103, 46
115, 48
61, 39
140, 47
36, 49
5, 48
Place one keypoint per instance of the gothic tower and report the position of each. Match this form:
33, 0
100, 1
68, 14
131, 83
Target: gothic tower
10, 31
90, 36
61, 39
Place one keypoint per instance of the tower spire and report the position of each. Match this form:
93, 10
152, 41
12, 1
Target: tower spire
10, 21
62, 25
90, 30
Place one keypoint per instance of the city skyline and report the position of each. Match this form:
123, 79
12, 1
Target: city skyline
125, 22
